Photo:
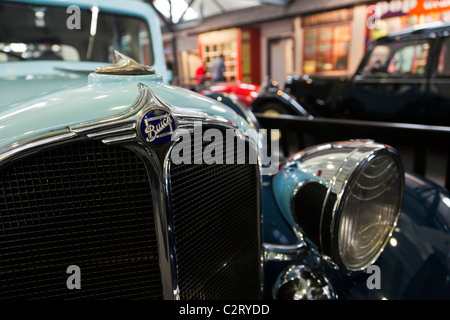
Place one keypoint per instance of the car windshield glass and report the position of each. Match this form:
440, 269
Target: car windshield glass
397, 59
29, 32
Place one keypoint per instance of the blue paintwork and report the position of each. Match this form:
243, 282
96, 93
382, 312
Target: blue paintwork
284, 184
42, 90
276, 230
418, 255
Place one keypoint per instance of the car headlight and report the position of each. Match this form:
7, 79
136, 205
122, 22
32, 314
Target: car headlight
367, 211
349, 199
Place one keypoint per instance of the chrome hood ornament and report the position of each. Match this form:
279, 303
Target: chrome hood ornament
124, 65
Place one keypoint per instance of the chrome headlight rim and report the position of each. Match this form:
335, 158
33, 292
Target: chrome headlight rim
321, 177
338, 195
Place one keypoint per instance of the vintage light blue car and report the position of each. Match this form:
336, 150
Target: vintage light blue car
151, 191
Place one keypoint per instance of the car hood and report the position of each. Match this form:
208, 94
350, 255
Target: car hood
23, 81
45, 96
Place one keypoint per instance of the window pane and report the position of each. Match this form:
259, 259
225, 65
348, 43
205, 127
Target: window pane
377, 60
398, 58
409, 60
341, 42
40, 33
444, 59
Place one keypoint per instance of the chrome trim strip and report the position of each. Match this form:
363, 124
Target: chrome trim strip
115, 130
162, 219
120, 139
23, 148
166, 184
302, 282
274, 252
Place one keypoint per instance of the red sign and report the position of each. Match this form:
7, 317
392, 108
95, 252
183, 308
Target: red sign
427, 6
395, 8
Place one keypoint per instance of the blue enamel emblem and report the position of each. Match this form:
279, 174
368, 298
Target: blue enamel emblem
157, 126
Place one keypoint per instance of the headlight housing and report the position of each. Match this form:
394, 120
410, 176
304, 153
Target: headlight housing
351, 201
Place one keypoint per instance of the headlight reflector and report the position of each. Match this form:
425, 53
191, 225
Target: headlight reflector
369, 212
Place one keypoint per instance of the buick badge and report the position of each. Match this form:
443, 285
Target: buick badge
157, 126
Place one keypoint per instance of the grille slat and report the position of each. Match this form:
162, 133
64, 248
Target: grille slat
85, 204
215, 218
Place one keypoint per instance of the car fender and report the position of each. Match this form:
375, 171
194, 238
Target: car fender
281, 98
415, 264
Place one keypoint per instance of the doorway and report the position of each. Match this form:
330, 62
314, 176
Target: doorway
280, 58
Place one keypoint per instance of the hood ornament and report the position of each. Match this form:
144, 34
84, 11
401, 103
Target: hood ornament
124, 65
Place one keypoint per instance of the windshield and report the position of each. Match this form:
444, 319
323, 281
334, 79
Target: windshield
29, 32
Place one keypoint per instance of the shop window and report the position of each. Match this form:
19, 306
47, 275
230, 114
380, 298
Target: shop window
398, 59
326, 48
228, 50
240, 48
224, 42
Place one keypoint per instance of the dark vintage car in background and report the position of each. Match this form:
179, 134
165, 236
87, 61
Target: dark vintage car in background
403, 77
90, 180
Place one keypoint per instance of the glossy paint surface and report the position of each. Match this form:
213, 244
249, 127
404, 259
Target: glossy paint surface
245, 92
416, 262
40, 97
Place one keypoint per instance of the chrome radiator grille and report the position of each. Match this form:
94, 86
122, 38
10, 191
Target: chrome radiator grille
84, 204
90, 205
216, 227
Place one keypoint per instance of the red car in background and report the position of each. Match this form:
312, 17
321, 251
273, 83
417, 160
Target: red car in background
245, 92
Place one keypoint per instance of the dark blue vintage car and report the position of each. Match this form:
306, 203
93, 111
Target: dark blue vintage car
114, 184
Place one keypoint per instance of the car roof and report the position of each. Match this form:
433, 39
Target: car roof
437, 26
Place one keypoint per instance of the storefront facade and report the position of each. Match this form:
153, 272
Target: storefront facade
327, 41
331, 42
